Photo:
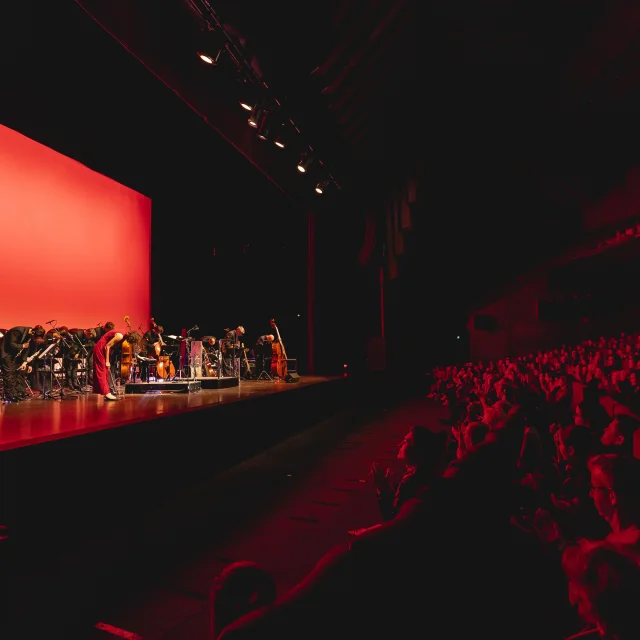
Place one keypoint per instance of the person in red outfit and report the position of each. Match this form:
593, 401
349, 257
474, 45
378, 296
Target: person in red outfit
101, 362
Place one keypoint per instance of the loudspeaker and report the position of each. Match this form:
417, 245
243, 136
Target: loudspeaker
292, 376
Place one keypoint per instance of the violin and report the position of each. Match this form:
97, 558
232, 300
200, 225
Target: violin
279, 365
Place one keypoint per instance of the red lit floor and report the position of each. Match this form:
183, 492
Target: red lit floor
322, 504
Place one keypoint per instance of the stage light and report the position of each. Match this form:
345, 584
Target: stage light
321, 186
249, 97
305, 163
205, 57
279, 137
264, 126
257, 114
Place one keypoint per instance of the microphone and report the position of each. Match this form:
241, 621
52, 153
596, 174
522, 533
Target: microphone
50, 322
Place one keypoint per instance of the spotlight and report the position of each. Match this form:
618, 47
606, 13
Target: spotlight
305, 163
208, 58
279, 139
321, 186
248, 97
264, 127
257, 113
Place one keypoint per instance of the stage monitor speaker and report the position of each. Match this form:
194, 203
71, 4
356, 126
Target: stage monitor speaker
292, 376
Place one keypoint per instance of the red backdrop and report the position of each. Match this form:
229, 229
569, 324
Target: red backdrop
74, 245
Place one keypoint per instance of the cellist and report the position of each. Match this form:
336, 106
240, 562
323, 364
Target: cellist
153, 343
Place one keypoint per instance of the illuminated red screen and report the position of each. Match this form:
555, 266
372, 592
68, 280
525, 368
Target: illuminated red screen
75, 244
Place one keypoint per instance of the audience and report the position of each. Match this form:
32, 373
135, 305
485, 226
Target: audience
537, 509
242, 587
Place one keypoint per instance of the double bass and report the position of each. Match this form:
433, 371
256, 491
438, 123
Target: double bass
126, 358
279, 354
164, 366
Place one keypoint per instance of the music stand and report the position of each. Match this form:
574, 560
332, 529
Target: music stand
179, 340
63, 395
48, 354
85, 360
266, 362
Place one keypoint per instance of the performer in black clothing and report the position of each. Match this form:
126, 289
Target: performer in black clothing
91, 337
101, 330
81, 343
210, 356
231, 351
69, 355
153, 343
263, 352
16, 342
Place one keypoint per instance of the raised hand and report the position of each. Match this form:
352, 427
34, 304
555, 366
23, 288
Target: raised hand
381, 477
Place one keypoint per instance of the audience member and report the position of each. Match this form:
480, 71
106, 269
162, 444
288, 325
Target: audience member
241, 588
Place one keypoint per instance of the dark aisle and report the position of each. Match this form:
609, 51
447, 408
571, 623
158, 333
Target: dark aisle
283, 509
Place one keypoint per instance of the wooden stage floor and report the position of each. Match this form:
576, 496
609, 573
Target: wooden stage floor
36, 421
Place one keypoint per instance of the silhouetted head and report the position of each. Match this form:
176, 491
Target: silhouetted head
240, 588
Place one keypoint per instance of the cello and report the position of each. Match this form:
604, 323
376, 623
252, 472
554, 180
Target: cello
279, 354
126, 358
164, 366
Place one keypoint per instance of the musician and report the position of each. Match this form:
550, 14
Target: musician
90, 339
210, 354
81, 343
263, 352
153, 343
230, 348
62, 336
16, 342
30, 372
101, 330
102, 353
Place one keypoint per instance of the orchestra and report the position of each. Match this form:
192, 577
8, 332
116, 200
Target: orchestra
59, 363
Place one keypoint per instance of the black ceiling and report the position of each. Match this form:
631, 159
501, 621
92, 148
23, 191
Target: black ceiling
520, 114
375, 85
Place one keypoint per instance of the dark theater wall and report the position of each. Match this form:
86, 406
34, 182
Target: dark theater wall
517, 328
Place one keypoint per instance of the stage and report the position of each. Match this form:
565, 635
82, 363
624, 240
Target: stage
38, 421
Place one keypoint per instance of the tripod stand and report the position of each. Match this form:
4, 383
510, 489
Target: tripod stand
264, 361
